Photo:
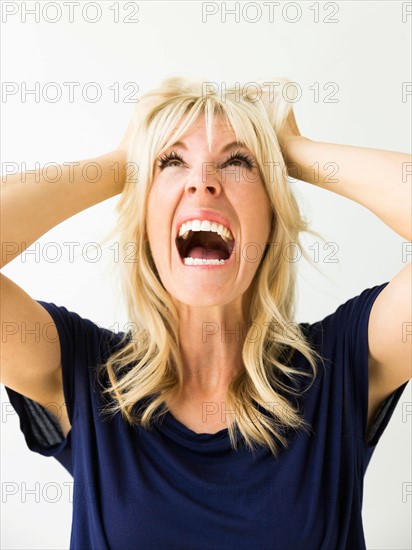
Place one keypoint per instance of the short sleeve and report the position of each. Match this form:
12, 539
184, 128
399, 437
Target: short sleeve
358, 314
349, 328
80, 343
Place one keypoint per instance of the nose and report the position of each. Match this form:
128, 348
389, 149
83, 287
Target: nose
204, 180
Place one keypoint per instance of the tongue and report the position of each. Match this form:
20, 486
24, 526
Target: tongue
204, 253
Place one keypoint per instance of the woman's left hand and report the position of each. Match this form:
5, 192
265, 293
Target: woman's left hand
288, 131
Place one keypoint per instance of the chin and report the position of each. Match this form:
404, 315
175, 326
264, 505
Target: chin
200, 297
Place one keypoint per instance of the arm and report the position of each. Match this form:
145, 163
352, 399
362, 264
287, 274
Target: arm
377, 179
31, 205
380, 181
31, 365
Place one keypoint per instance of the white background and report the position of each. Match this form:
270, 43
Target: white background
366, 53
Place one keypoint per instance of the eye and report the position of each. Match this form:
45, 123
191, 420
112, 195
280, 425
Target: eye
169, 159
244, 159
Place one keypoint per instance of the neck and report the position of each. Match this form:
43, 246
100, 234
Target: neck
211, 342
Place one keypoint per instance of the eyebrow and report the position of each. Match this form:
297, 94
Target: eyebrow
227, 147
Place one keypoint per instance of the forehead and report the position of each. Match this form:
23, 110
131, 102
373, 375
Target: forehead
220, 131
219, 125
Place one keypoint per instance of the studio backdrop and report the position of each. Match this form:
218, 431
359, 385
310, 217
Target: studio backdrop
71, 75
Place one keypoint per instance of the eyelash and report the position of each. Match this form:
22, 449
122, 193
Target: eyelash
173, 156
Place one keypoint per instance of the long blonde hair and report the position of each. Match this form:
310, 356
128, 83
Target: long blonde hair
145, 369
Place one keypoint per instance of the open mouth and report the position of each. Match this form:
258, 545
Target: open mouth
211, 246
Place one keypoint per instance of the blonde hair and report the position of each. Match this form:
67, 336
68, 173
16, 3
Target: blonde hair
146, 368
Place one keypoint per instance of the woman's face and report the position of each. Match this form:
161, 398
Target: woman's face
196, 184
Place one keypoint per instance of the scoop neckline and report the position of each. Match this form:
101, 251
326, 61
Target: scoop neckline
187, 431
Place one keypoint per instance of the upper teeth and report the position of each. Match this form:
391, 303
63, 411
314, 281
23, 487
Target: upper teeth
204, 225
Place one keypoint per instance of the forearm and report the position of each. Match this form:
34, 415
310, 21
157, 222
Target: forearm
379, 180
32, 204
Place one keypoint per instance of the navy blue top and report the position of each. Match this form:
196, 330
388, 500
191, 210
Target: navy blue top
170, 488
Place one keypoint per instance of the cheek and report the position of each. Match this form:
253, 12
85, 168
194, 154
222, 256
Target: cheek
264, 207
157, 206
255, 208
160, 209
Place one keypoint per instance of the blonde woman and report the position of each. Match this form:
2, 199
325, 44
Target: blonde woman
217, 422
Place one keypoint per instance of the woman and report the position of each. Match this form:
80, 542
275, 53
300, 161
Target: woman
217, 422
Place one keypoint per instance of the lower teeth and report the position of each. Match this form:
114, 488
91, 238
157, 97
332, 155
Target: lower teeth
201, 261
